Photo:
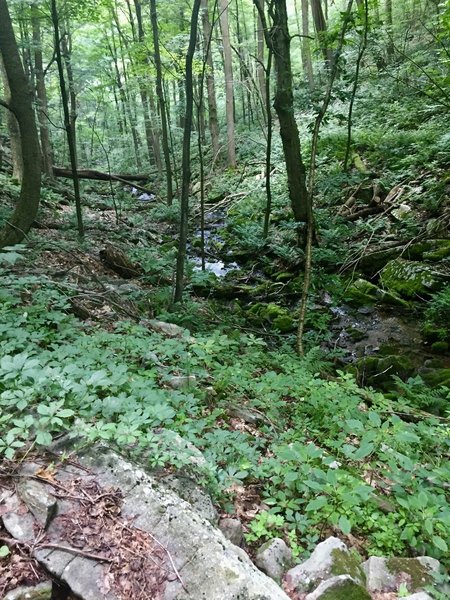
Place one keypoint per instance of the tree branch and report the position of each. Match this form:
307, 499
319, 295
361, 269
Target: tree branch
5, 105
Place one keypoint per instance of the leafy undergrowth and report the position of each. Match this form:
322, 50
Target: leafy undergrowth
294, 452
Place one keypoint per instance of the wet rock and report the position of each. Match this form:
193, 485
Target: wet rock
41, 591
411, 279
182, 382
340, 587
232, 530
273, 558
387, 574
38, 500
331, 557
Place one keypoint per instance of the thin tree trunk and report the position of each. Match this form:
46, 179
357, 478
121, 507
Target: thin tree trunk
186, 168
306, 46
364, 13
279, 40
161, 101
25, 212
321, 29
41, 93
210, 83
261, 75
268, 146
229, 97
69, 121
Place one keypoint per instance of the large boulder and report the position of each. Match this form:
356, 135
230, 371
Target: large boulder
330, 558
387, 574
339, 587
206, 564
410, 279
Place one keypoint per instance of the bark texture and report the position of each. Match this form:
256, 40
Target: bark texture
20, 222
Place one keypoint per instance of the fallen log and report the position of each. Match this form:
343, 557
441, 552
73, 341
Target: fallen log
116, 260
98, 175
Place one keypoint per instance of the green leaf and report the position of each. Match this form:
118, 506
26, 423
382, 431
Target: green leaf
4, 551
317, 503
344, 525
374, 419
439, 543
364, 450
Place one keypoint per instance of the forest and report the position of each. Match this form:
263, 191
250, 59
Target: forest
224, 230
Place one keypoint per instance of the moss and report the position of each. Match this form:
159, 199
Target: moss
284, 277
410, 279
437, 377
418, 574
378, 370
431, 333
439, 347
440, 252
356, 335
347, 563
284, 323
363, 293
346, 590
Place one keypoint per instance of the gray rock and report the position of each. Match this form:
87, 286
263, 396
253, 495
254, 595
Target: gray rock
273, 558
386, 574
331, 557
168, 329
232, 530
210, 566
38, 500
340, 586
41, 591
418, 596
194, 494
20, 527
181, 382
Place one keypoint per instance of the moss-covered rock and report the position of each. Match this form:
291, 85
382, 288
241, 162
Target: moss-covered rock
433, 333
340, 587
364, 293
279, 317
439, 347
436, 377
387, 574
439, 252
413, 279
378, 370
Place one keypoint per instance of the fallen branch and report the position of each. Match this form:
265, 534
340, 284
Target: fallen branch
99, 176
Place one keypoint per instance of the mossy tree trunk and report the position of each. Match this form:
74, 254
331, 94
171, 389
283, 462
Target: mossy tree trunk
20, 104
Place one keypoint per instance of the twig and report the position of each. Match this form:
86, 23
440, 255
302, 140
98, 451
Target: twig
75, 551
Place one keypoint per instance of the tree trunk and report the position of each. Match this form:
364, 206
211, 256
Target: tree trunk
161, 101
228, 68
186, 168
278, 39
306, 46
260, 54
20, 102
69, 119
13, 130
210, 84
41, 93
321, 29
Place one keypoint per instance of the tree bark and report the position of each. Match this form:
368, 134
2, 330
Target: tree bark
186, 169
161, 102
69, 119
229, 97
210, 83
41, 94
25, 212
13, 130
306, 46
321, 29
278, 39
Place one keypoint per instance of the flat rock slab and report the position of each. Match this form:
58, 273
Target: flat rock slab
387, 574
210, 567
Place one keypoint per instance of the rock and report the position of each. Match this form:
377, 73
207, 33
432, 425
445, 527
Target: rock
20, 527
331, 557
363, 293
340, 587
418, 596
401, 212
41, 591
169, 329
273, 558
211, 567
280, 318
181, 382
38, 500
386, 574
232, 529
191, 492
410, 279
